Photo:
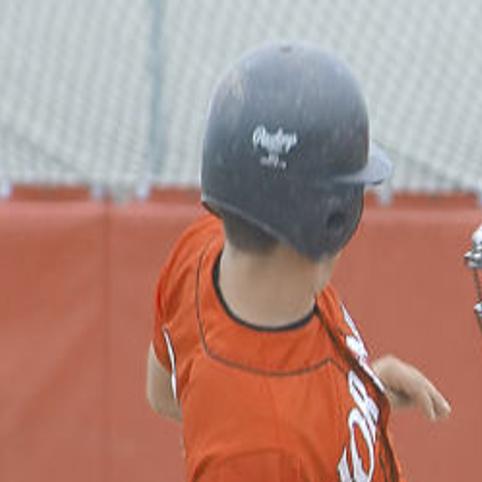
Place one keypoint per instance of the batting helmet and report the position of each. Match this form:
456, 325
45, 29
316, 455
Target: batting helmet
286, 147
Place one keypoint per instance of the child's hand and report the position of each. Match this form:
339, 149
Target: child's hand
408, 387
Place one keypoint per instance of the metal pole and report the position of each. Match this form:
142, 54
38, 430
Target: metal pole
153, 164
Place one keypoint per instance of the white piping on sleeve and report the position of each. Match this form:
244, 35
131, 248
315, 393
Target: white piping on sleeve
172, 359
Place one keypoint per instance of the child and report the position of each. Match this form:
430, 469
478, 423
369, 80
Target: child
268, 371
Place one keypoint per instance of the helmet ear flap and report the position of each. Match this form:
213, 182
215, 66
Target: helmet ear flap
343, 213
336, 221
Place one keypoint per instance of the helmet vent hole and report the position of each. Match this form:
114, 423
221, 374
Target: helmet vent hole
336, 221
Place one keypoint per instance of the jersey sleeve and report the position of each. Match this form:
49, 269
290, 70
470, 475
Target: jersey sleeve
175, 335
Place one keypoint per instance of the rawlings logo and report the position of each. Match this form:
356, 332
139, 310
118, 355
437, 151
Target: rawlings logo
276, 144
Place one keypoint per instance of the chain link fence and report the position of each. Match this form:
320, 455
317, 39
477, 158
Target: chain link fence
113, 93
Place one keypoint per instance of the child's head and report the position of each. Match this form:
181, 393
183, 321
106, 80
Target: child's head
255, 246
246, 237
286, 152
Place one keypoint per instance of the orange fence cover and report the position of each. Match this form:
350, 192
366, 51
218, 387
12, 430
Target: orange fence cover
76, 287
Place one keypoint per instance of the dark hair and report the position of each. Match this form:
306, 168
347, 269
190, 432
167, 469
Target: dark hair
246, 236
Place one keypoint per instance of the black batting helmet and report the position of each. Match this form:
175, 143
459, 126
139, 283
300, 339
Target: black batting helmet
286, 147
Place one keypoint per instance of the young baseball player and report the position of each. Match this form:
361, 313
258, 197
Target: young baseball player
253, 349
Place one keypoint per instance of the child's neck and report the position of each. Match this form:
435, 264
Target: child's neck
273, 290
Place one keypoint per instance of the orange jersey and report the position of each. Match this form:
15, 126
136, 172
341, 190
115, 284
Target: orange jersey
293, 404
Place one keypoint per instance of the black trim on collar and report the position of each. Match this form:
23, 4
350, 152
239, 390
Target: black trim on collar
256, 371
271, 329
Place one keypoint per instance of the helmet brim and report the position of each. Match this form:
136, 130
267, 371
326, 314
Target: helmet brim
378, 169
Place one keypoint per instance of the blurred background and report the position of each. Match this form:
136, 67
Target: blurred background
102, 105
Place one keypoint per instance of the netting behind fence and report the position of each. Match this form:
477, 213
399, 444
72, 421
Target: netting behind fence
114, 92
74, 91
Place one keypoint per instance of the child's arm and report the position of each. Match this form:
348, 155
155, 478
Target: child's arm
159, 390
406, 386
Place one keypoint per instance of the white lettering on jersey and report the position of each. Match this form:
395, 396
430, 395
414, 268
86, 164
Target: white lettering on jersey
363, 416
356, 345
354, 341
